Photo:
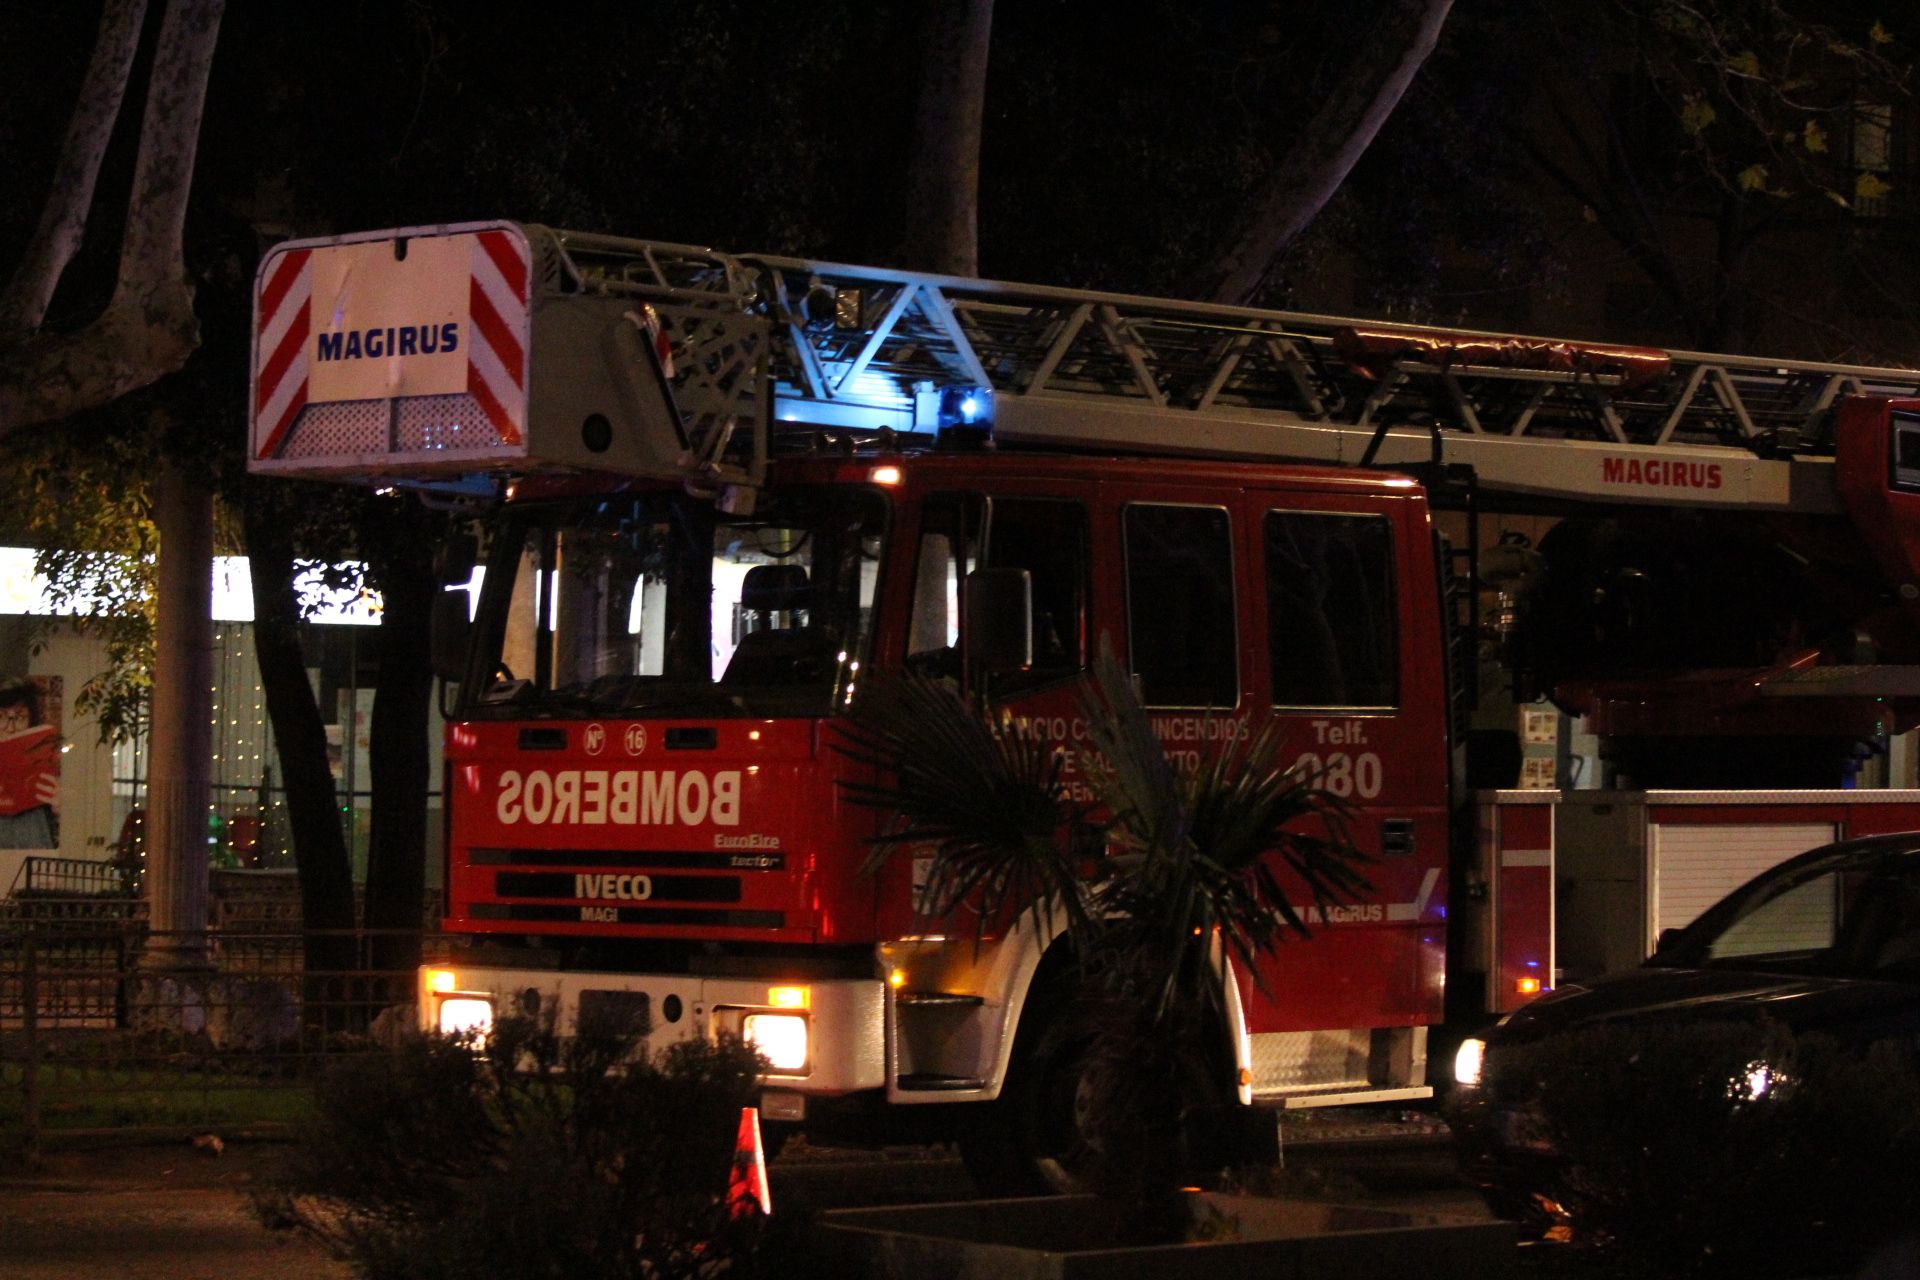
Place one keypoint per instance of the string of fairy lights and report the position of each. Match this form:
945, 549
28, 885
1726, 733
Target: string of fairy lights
247, 820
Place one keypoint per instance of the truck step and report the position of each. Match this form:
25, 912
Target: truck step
936, 999
932, 1082
1347, 1096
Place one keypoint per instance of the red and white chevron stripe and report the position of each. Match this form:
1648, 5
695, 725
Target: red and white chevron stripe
283, 317
496, 349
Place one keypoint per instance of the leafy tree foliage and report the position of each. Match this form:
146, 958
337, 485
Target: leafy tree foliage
84, 506
1744, 159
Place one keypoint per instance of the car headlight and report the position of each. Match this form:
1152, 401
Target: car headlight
1756, 1081
1468, 1061
466, 1015
781, 1037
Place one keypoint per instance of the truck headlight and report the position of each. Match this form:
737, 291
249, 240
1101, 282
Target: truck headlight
781, 1037
1468, 1060
466, 1015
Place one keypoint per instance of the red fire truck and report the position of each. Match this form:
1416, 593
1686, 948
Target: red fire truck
717, 489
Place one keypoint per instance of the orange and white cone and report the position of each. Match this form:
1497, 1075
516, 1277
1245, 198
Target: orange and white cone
747, 1188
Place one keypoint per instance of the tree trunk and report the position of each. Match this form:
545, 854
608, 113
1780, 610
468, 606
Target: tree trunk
180, 735
63, 220
1327, 146
399, 750
943, 173
148, 329
300, 736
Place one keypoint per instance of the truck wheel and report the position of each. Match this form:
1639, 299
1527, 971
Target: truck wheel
1038, 1137
1028, 1142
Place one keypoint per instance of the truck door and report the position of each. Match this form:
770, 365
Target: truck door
1347, 656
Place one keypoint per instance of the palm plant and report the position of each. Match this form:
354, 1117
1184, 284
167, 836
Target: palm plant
988, 797
1183, 876
1190, 873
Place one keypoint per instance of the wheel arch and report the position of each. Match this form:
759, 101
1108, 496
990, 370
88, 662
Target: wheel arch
1031, 966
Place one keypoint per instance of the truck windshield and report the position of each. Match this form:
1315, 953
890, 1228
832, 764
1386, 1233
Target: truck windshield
657, 604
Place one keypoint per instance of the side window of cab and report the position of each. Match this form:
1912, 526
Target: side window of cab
1044, 538
950, 529
1181, 633
1331, 626
1047, 538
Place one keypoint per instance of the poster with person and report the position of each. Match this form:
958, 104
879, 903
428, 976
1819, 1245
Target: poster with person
30, 731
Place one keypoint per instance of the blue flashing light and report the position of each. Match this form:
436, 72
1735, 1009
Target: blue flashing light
966, 407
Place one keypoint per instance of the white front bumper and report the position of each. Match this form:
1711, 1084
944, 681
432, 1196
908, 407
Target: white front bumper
846, 1018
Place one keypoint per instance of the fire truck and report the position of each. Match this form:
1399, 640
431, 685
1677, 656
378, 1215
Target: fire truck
718, 490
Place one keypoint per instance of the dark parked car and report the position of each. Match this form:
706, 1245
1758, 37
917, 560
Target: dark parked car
1824, 947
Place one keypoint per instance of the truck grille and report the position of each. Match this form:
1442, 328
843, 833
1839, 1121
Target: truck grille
570, 912
584, 888
694, 860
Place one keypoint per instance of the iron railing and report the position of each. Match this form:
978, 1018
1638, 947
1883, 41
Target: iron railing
106, 1025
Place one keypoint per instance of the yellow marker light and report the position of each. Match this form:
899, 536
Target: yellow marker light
1527, 986
441, 980
789, 997
782, 1037
885, 475
897, 978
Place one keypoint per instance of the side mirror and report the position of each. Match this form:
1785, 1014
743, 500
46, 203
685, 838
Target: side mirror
999, 620
452, 630
1665, 940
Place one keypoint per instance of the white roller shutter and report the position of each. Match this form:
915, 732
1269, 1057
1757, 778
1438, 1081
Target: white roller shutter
1694, 865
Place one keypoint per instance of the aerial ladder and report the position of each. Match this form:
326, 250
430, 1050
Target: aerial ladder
606, 353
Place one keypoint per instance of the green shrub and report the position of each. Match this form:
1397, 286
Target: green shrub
1724, 1147
529, 1158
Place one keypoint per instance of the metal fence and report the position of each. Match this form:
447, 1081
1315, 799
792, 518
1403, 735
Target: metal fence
82, 878
107, 1026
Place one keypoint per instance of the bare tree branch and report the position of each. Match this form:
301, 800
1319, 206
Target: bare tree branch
152, 259
63, 219
1616, 197
148, 329
1328, 146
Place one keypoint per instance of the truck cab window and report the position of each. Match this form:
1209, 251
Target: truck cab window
1331, 638
949, 529
1180, 613
1049, 540
653, 603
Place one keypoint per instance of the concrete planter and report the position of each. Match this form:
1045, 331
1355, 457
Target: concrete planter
1226, 1237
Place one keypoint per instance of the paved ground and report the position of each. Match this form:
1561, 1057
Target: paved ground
170, 1212
147, 1213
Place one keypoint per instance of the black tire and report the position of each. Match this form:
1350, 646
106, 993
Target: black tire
1022, 1144
1037, 1139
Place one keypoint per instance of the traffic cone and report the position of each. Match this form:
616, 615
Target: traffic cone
747, 1188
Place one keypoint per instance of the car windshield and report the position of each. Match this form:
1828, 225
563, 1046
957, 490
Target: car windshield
1853, 915
657, 604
